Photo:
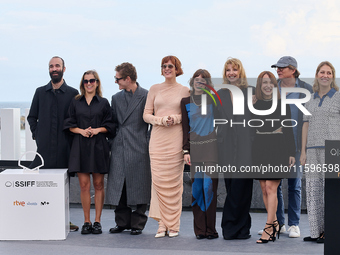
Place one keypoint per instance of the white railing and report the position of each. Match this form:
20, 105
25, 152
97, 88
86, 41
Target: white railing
11, 146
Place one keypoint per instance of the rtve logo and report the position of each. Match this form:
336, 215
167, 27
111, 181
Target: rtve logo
18, 203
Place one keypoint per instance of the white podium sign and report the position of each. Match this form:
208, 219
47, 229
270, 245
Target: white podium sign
34, 206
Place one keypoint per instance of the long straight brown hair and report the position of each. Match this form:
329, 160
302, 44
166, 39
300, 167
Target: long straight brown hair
258, 91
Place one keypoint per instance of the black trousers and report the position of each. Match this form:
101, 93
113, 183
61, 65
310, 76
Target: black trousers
204, 201
236, 220
127, 218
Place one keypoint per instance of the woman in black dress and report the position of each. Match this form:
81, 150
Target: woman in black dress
90, 120
273, 146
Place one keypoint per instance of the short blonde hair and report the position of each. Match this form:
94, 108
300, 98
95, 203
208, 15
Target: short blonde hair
238, 64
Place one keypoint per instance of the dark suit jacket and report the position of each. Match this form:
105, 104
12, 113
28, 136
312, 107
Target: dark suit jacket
48, 110
234, 143
130, 160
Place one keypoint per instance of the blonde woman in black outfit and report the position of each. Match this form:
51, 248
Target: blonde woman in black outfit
91, 121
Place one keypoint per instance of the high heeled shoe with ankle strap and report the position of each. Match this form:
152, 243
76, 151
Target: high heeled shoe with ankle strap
272, 236
276, 224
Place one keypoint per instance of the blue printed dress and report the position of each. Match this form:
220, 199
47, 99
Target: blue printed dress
199, 138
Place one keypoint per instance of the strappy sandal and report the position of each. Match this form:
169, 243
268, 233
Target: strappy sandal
272, 236
276, 224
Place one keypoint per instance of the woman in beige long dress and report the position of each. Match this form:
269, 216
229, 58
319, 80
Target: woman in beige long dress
163, 111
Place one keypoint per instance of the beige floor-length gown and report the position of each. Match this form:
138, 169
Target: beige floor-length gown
166, 153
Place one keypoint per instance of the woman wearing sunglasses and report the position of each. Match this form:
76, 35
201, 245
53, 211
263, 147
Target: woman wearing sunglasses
163, 111
200, 152
90, 120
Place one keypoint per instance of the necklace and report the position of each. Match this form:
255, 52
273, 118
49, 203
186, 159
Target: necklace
192, 97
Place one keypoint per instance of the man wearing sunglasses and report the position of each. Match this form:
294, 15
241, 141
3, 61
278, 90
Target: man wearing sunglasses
288, 74
129, 179
48, 110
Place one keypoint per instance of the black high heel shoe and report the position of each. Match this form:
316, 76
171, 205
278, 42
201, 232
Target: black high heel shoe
276, 224
272, 236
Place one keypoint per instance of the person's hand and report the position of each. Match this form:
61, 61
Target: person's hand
291, 161
85, 132
187, 159
94, 131
303, 158
170, 121
254, 99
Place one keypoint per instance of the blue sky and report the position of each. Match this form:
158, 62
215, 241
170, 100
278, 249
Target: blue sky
202, 34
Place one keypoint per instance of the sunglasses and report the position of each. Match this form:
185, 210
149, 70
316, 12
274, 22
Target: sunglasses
170, 66
280, 68
89, 81
118, 79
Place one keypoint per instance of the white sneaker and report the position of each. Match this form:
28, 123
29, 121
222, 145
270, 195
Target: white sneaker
283, 229
294, 231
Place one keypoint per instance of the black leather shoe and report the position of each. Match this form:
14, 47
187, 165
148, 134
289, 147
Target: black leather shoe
86, 228
321, 238
212, 236
116, 229
136, 231
96, 228
309, 239
200, 237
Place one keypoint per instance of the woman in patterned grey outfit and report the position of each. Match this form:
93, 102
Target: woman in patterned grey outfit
322, 125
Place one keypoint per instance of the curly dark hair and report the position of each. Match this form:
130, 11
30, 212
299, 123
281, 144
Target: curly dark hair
127, 69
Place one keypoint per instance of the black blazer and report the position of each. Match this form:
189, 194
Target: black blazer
234, 141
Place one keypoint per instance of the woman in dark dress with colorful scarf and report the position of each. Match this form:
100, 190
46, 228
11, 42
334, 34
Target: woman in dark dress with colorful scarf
200, 152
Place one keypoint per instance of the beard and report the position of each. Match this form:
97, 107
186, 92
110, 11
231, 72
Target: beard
56, 78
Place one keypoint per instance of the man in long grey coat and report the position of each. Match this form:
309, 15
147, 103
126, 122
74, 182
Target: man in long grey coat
129, 179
